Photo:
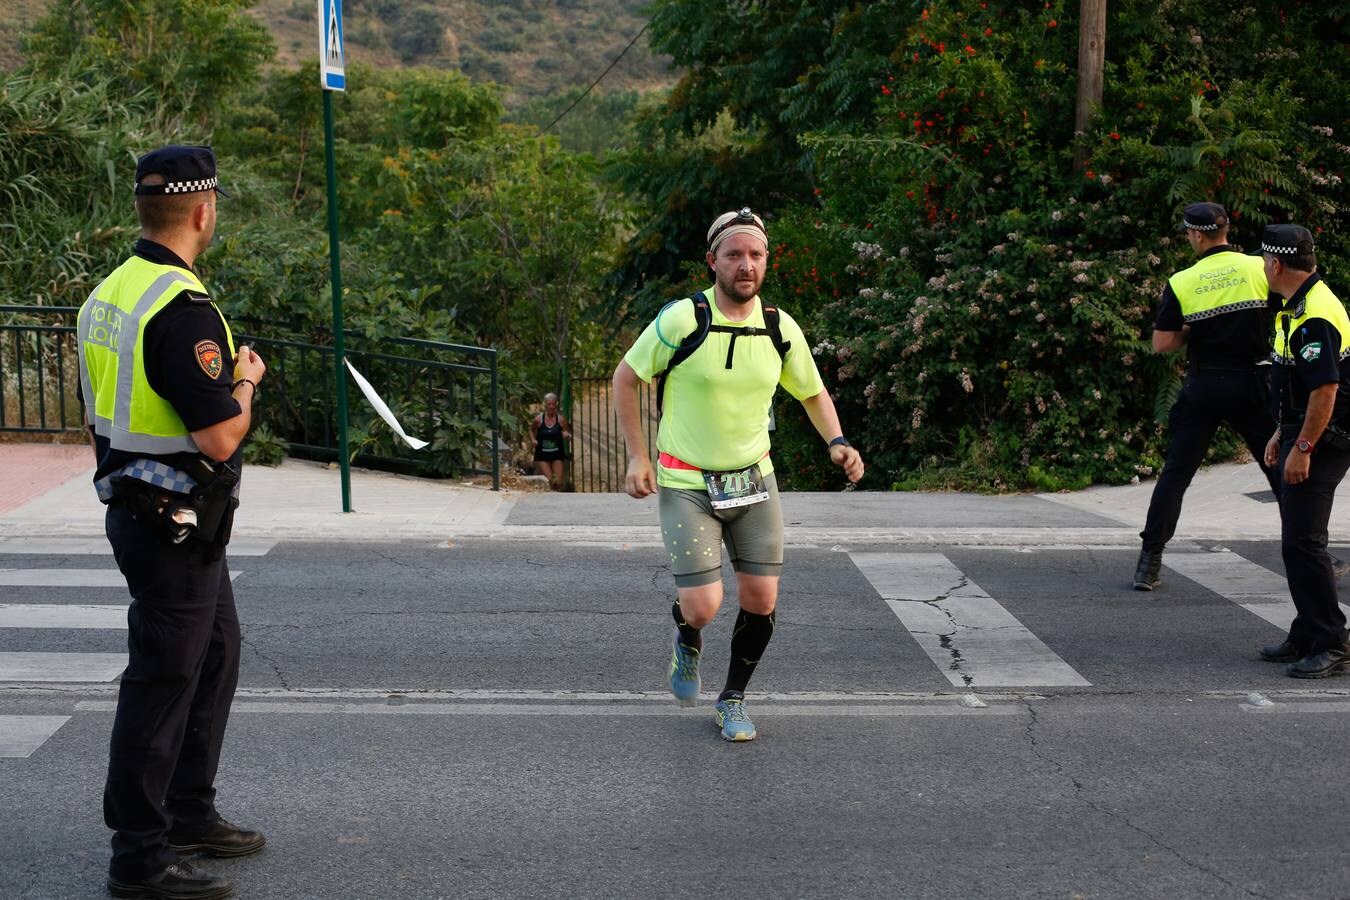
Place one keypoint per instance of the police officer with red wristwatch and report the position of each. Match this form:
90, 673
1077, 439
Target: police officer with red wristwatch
1311, 448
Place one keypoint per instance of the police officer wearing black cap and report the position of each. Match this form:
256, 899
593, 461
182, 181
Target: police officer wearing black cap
168, 400
1217, 309
1310, 448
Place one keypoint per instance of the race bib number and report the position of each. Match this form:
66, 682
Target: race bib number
742, 487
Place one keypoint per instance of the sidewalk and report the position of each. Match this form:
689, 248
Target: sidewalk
45, 491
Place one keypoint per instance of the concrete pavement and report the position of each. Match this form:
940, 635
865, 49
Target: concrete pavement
302, 501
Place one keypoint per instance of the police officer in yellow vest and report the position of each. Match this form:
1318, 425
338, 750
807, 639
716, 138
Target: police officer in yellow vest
168, 401
1311, 447
1217, 310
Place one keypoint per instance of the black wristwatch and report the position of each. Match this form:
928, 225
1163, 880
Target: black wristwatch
840, 441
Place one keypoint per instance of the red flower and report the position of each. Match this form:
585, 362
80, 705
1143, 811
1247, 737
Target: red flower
1089, 174
970, 50
885, 90
988, 31
1115, 136
1052, 24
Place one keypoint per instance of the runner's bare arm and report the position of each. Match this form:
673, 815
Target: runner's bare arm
820, 410
641, 478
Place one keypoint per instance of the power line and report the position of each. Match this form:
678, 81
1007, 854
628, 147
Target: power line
597, 80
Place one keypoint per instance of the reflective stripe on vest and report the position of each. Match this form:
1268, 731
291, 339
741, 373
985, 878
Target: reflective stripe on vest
1218, 284
111, 328
1318, 303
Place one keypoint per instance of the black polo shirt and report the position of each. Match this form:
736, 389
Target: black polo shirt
1315, 348
178, 348
1234, 340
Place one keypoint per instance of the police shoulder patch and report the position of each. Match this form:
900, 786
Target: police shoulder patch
1311, 352
209, 358
196, 297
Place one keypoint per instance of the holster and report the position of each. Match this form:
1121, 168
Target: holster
213, 500
1336, 437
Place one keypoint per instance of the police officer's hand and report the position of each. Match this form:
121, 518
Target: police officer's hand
248, 364
1272, 451
641, 478
1296, 466
849, 459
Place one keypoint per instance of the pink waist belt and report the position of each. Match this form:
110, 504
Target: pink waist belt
674, 462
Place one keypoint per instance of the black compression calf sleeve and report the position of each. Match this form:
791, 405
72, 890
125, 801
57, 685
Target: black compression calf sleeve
689, 635
747, 646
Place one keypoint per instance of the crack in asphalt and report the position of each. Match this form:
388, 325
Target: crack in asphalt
257, 651
1080, 794
945, 638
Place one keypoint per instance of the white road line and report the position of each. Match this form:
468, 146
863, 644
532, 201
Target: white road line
967, 633
1276, 708
51, 615
62, 667
76, 546
77, 578
1255, 588
20, 736
579, 709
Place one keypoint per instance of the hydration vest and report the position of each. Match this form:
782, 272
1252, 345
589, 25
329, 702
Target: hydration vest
704, 324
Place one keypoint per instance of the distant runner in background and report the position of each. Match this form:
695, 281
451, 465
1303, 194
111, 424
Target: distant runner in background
548, 430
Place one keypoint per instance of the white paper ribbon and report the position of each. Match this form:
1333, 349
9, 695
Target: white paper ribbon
383, 408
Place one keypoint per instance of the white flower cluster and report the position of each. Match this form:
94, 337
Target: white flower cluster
867, 252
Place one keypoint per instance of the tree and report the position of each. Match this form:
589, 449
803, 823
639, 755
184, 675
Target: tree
179, 60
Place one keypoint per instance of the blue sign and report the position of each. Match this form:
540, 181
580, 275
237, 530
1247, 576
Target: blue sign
332, 61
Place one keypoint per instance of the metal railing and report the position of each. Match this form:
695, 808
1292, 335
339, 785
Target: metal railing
39, 370
451, 401
599, 454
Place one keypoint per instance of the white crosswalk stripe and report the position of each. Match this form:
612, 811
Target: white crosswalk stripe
964, 631
53, 615
1255, 588
67, 578
76, 546
61, 667
20, 736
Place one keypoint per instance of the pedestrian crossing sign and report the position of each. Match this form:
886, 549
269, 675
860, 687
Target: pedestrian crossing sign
332, 61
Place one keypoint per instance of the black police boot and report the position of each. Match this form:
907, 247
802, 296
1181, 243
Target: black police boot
1286, 652
1323, 663
180, 881
1146, 576
220, 838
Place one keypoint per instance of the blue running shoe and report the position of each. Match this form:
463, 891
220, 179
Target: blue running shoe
684, 680
735, 724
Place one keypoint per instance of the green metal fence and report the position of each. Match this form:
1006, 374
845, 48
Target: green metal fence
445, 393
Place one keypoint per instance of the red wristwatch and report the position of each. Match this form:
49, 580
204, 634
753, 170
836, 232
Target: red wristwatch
1304, 445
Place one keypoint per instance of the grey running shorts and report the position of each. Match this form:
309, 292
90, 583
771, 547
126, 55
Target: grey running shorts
694, 532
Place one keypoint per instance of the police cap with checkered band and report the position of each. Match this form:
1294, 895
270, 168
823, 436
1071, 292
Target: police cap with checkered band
1286, 240
1204, 217
185, 169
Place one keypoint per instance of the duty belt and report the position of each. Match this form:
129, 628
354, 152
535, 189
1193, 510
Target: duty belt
152, 472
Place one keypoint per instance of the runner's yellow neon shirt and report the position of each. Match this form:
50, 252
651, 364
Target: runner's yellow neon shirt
718, 418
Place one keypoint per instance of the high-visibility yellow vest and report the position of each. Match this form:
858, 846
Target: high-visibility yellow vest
119, 402
1220, 283
1318, 303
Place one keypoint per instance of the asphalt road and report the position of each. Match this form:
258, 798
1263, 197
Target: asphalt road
488, 720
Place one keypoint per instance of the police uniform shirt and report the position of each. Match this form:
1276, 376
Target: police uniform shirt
1234, 340
183, 345
1315, 350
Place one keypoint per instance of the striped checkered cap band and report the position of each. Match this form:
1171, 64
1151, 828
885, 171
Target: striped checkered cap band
1214, 227
178, 187
1277, 250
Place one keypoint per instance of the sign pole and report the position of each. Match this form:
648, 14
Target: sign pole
332, 71
339, 342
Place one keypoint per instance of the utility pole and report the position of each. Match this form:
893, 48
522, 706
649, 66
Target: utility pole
1091, 62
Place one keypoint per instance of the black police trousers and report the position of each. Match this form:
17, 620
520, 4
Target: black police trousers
1207, 399
1305, 509
175, 696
